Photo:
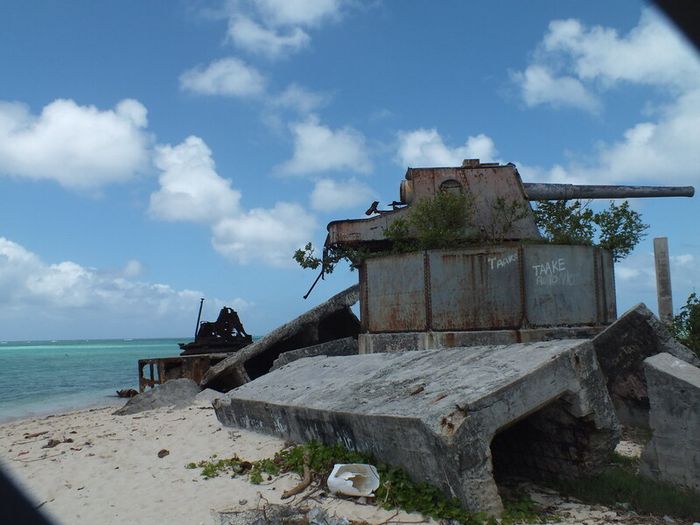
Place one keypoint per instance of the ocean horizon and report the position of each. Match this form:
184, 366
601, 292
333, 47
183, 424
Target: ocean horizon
40, 378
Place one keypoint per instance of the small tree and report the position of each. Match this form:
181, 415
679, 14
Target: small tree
686, 325
618, 229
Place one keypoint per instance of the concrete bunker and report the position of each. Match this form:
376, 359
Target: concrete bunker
434, 412
549, 443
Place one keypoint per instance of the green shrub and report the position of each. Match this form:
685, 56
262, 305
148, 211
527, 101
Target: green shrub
618, 229
686, 325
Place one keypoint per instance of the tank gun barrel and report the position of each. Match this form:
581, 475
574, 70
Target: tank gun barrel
536, 191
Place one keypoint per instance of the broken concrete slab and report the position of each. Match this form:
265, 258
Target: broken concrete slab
673, 454
330, 320
622, 348
344, 346
176, 392
454, 417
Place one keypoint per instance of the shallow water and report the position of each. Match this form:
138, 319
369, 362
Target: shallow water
44, 377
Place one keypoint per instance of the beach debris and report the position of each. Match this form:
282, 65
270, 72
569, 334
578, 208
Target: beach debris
175, 393
53, 442
271, 514
621, 350
35, 434
305, 481
163, 452
328, 321
344, 346
127, 392
354, 479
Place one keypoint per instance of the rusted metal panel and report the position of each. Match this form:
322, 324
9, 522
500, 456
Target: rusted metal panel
475, 288
488, 288
560, 285
395, 289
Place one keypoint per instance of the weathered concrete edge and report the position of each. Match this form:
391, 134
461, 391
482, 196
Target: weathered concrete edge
673, 453
409, 341
666, 340
344, 299
336, 347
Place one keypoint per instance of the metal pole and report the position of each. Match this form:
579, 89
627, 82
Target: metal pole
199, 316
663, 279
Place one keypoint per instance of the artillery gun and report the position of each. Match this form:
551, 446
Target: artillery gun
506, 287
485, 184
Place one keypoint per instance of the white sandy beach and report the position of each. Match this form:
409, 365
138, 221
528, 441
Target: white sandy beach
111, 472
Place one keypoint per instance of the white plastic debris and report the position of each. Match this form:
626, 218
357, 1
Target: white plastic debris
353, 479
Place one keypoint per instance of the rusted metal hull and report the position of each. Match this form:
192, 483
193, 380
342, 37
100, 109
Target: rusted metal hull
506, 287
163, 369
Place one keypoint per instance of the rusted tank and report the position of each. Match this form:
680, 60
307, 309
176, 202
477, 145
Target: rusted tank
486, 183
506, 288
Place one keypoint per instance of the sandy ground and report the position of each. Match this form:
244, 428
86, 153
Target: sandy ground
107, 469
111, 472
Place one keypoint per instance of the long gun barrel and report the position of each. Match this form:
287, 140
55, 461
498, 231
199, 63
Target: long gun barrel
536, 191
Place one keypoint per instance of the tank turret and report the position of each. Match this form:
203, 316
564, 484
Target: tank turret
486, 184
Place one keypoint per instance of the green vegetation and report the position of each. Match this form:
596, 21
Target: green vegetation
618, 229
441, 222
397, 490
447, 221
621, 483
686, 325
331, 256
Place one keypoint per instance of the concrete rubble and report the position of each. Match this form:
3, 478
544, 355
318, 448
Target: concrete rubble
459, 418
621, 350
328, 321
344, 346
176, 392
673, 454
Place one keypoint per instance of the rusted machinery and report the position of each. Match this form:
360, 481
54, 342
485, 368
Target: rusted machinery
502, 289
225, 335
213, 342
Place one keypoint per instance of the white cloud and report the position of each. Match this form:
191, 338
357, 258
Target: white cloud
425, 147
132, 268
28, 285
318, 148
573, 60
539, 86
298, 12
80, 147
277, 28
331, 195
271, 235
45, 300
251, 36
647, 152
652, 53
227, 76
300, 99
684, 259
190, 188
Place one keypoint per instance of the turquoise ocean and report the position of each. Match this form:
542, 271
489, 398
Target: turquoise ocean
38, 378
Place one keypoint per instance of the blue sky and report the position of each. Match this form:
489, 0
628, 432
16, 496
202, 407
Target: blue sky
152, 153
